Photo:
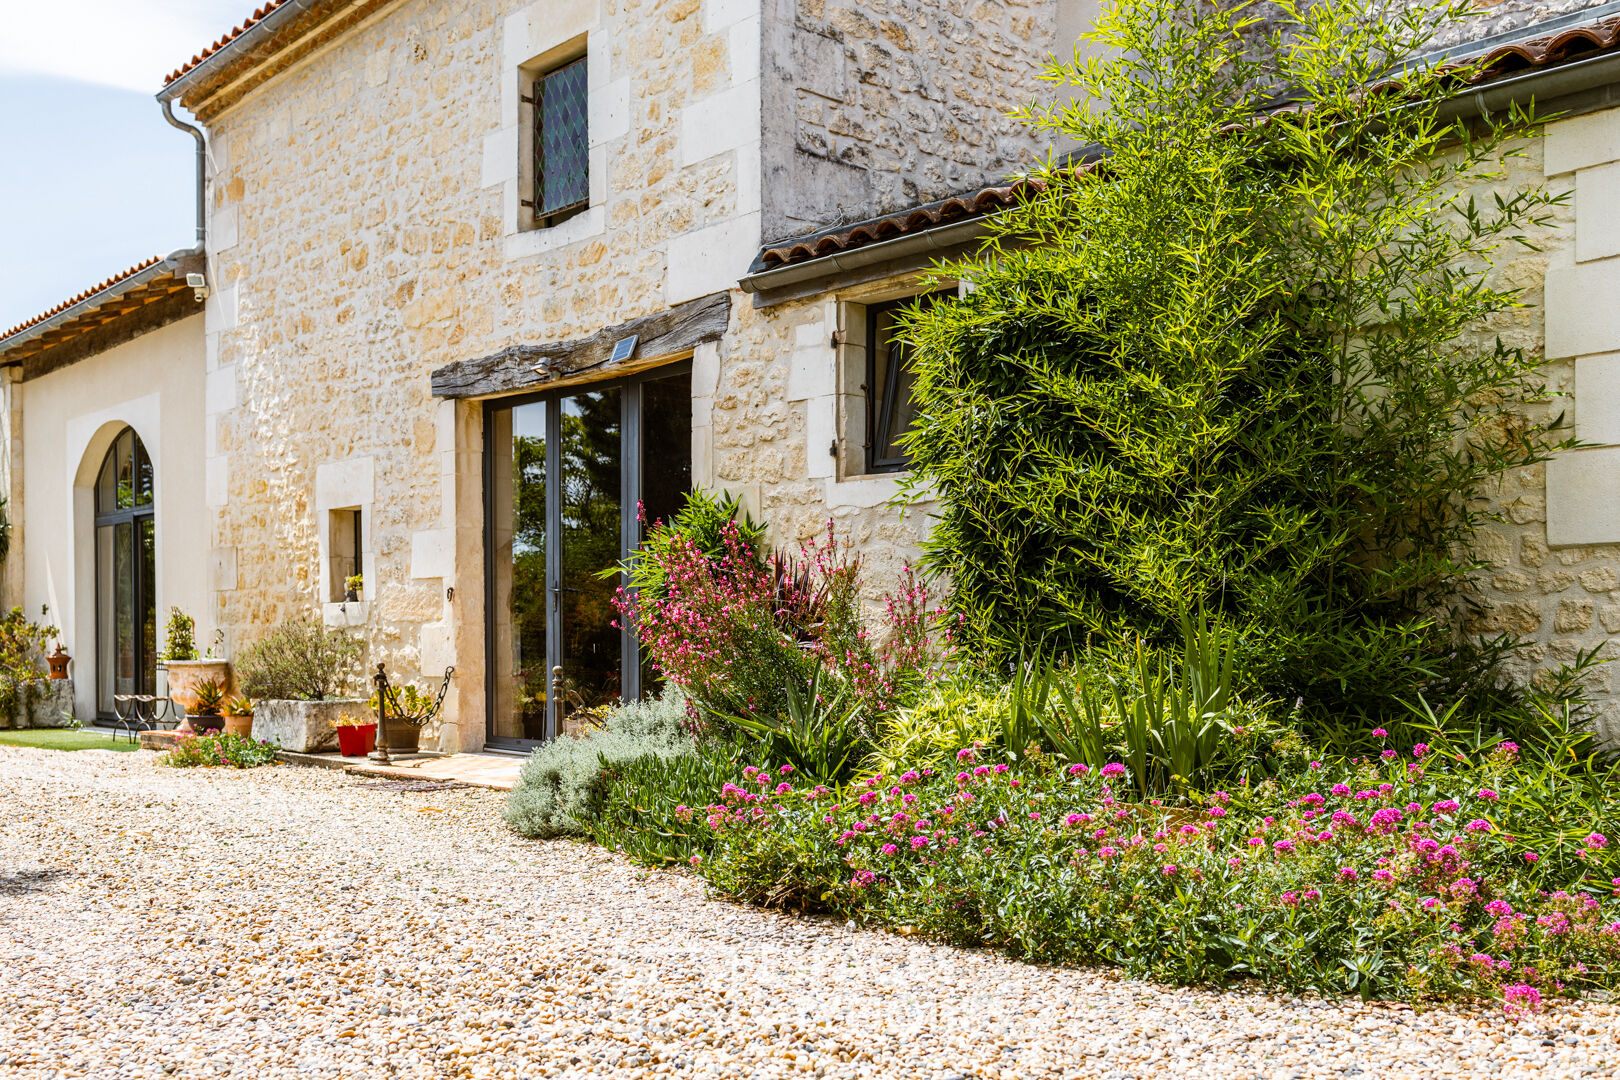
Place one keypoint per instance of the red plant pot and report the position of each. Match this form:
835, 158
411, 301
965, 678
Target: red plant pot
356, 740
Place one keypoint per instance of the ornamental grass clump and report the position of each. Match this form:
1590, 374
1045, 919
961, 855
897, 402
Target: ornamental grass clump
1406, 877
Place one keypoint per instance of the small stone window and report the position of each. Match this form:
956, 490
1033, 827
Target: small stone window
561, 144
344, 556
889, 378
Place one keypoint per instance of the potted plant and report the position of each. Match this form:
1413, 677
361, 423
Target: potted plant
356, 736
239, 716
185, 669
352, 586
294, 674
209, 696
399, 732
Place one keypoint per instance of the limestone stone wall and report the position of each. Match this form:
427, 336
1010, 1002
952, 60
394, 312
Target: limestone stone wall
876, 106
365, 229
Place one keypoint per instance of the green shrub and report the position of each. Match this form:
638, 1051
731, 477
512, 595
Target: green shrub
22, 658
301, 660
219, 748
1241, 364
653, 811
566, 783
180, 640
956, 712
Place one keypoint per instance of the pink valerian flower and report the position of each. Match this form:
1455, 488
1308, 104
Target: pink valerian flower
1478, 825
1388, 755
1073, 819
1078, 770
1431, 903
1531, 857
1341, 790
1106, 853
889, 849
1463, 888
1419, 750
1380, 733
783, 788
1499, 908
1520, 998
1001, 769
1597, 841
918, 843
1282, 847
863, 879
786, 770
696, 860
1488, 795
967, 754
1168, 869
962, 778
1113, 768
1316, 765
683, 812
1215, 812
1348, 873
1447, 806
1383, 875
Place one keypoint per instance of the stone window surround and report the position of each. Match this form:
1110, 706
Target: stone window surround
350, 484
1584, 152
533, 40
848, 481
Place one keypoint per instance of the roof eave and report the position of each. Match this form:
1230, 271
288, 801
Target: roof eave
233, 50
177, 263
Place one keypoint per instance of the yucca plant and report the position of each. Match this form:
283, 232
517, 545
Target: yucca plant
820, 736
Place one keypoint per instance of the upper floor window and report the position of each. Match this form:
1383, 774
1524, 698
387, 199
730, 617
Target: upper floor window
562, 176
889, 378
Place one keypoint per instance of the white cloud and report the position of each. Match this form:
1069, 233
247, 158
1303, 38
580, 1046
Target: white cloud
130, 44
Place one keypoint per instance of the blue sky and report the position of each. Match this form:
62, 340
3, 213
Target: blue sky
92, 180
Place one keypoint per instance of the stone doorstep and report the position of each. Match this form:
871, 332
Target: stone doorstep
499, 772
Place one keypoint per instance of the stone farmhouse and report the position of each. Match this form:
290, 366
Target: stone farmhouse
475, 280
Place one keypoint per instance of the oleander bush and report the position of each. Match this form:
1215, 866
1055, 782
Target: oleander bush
218, 749
564, 784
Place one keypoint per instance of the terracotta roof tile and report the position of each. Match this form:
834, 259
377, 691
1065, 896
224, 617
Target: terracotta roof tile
253, 19
1563, 47
81, 297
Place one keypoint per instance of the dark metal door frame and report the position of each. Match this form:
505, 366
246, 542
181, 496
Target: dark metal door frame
629, 531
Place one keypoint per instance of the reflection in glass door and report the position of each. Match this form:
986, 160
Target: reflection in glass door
126, 575
565, 474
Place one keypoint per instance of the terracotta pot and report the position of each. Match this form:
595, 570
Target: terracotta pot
59, 662
184, 676
239, 725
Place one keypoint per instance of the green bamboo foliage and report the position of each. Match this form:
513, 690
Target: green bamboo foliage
1245, 362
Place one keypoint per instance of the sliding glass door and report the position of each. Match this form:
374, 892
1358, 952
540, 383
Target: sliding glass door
565, 475
126, 575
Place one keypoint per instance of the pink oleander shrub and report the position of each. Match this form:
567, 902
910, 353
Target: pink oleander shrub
1408, 877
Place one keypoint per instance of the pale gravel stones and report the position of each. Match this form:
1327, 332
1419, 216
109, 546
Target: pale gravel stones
304, 925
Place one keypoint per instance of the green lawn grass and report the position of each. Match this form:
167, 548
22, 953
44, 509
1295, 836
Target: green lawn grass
52, 739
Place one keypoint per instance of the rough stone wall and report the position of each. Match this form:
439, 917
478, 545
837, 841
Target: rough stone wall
876, 106
360, 235
768, 413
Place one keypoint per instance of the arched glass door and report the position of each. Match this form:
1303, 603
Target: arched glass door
126, 574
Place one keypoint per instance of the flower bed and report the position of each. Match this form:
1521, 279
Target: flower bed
1382, 877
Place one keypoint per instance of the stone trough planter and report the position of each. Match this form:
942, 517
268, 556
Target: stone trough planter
302, 727
47, 703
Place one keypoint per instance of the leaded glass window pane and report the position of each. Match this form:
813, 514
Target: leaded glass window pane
562, 178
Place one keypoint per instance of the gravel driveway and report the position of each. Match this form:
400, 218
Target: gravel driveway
296, 922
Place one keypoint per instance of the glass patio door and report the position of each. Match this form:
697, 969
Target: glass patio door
567, 472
